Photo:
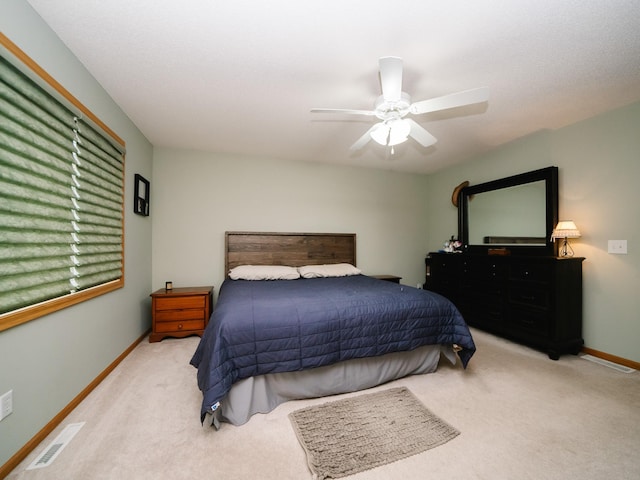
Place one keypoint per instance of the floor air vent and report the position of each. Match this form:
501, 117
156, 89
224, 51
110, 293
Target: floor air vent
607, 363
50, 453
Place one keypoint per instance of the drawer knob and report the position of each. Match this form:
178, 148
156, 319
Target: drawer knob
180, 327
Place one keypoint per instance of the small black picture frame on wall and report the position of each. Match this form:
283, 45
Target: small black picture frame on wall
141, 195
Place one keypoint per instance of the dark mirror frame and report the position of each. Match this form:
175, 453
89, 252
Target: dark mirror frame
549, 175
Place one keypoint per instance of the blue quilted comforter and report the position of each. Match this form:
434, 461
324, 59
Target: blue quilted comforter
261, 327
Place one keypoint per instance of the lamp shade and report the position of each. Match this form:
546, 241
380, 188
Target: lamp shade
399, 132
565, 229
391, 132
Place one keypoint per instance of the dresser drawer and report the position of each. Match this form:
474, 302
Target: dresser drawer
526, 295
179, 326
531, 271
171, 315
532, 321
176, 303
482, 270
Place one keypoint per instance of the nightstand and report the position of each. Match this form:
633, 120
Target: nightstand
388, 278
180, 312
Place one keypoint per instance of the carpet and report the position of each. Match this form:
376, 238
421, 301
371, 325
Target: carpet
348, 436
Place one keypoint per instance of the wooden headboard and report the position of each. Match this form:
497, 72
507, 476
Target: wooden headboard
293, 249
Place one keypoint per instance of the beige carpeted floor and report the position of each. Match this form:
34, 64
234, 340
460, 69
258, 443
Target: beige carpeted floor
521, 416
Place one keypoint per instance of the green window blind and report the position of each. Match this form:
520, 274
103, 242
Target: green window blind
61, 191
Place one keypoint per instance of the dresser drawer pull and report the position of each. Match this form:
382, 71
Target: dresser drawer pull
180, 327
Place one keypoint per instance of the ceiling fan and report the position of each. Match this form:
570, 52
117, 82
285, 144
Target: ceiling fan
393, 105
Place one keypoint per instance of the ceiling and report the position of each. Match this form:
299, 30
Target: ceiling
240, 77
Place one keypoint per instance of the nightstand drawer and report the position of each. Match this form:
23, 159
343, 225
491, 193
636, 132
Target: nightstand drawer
171, 315
176, 303
165, 327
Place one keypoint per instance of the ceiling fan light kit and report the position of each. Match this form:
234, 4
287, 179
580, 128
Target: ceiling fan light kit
393, 105
380, 133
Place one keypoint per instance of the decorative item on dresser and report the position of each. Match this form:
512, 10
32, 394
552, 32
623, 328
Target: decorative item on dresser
180, 312
508, 279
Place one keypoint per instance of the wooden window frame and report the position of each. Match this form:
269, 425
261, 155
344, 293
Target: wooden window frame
23, 315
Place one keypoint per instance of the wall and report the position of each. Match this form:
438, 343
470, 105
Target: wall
598, 169
49, 361
203, 195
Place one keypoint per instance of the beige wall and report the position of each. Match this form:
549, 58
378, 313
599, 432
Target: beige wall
599, 164
197, 196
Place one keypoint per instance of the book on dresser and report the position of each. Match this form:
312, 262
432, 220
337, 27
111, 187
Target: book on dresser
534, 300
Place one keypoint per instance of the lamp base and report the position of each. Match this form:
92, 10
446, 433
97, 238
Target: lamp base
565, 249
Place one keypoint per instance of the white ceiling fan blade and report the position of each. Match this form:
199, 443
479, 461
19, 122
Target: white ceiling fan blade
419, 134
364, 139
466, 97
391, 78
343, 110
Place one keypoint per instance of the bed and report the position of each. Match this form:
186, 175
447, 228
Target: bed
271, 338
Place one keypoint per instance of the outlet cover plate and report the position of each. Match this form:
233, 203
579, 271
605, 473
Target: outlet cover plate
618, 247
6, 405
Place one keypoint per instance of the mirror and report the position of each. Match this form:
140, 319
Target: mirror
512, 215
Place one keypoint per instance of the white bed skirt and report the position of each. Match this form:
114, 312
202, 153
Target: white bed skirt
263, 393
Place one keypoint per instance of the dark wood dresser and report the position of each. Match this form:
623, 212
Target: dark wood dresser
534, 300
180, 312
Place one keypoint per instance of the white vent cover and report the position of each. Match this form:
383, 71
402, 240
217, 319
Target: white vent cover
607, 363
50, 453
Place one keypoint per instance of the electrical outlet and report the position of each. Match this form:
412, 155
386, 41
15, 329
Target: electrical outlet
6, 404
617, 246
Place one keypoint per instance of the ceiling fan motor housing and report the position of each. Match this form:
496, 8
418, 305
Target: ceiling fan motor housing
392, 109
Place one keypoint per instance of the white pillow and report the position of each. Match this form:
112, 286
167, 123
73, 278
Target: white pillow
263, 272
330, 270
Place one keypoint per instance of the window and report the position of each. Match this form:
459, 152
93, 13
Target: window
61, 191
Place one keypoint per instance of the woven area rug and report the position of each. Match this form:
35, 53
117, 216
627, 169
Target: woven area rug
348, 436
